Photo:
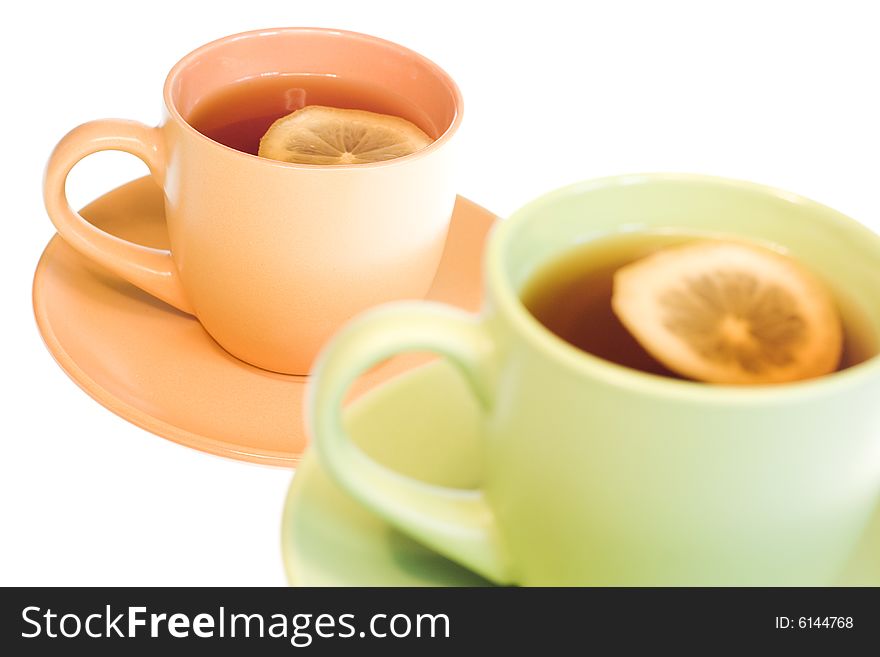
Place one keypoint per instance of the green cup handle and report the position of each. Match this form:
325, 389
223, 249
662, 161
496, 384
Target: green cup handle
457, 523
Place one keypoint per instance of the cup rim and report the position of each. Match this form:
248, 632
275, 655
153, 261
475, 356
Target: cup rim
509, 304
447, 134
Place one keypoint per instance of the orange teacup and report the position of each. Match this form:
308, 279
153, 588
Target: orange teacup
273, 257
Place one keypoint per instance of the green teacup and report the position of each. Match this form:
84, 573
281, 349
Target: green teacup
601, 475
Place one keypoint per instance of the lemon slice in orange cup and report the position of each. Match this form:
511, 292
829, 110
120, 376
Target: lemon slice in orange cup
329, 135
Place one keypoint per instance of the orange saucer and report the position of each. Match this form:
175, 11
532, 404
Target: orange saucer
159, 369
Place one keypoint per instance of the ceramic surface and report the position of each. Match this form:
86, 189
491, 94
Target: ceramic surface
158, 368
273, 257
602, 475
426, 425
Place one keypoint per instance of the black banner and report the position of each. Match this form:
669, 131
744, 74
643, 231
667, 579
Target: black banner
436, 621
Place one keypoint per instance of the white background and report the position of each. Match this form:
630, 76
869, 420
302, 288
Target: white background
784, 93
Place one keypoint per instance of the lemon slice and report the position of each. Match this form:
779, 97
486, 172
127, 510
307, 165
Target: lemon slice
726, 312
329, 135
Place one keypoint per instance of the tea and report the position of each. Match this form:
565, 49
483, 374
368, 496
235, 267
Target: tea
572, 295
240, 114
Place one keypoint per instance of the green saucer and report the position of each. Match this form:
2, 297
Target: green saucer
426, 425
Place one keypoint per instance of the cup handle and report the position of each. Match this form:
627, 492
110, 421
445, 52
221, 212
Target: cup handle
457, 523
152, 270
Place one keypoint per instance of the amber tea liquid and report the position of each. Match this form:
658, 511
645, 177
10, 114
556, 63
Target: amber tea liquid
571, 296
239, 115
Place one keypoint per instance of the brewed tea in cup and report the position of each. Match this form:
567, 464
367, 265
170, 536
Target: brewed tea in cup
273, 256
601, 469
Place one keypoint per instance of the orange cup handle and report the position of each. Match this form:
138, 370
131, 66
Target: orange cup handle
152, 270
